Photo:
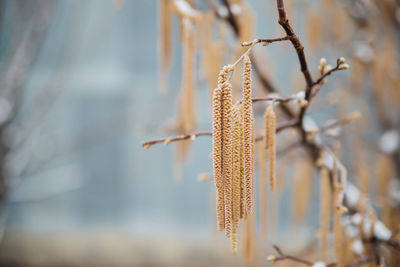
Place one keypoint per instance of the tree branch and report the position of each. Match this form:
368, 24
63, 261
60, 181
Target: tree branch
166, 141
282, 256
265, 41
284, 22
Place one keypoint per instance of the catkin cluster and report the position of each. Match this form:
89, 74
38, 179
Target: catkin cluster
233, 152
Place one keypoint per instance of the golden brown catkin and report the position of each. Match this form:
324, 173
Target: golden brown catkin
314, 28
217, 156
324, 211
227, 153
337, 229
302, 188
253, 150
188, 76
165, 42
363, 175
206, 48
234, 240
186, 117
242, 179
237, 128
384, 171
266, 127
271, 120
262, 158
247, 134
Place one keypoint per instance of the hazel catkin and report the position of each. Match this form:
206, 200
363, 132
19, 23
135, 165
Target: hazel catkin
248, 135
217, 156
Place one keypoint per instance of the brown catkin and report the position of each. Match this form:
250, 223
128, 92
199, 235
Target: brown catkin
337, 229
217, 156
223, 74
186, 117
188, 76
262, 158
206, 48
314, 28
266, 127
236, 164
253, 150
227, 153
363, 176
271, 146
249, 240
247, 134
384, 171
234, 240
324, 211
165, 42
302, 188
242, 179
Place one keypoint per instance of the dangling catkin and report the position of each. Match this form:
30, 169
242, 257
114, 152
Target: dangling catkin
262, 157
253, 150
271, 118
337, 230
234, 240
384, 171
227, 153
237, 128
223, 74
266, 127
247, 134
302, 188
217, 156
242, 179
249, 240
186, 119
187, 76
363, 176
325, 211
314, 28
206, 49
165, 42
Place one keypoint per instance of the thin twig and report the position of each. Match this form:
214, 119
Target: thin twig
265, 41
267, 85
265, 81
282, 256
167, 140
273, 99
175, 138
231, 18
353, 116
284, 22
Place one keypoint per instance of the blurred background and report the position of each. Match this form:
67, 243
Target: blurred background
79, 94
